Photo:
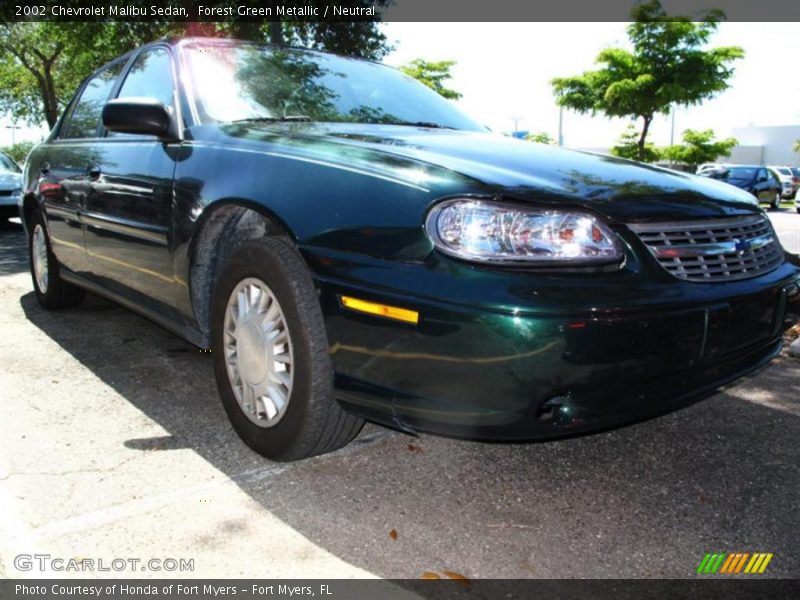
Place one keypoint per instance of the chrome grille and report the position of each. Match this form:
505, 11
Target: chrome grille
713, 250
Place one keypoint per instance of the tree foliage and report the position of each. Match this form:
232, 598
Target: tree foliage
432, 74
42, 63
667, 66
628, 147
540, 137
796, 146
698, 147
18, 152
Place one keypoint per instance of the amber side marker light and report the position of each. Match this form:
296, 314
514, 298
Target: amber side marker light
380, 310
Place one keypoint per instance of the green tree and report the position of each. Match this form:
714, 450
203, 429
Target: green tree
363, 39
668, 66
796, 146
432, 74
18, 152
41, 63
540, 138
628, 147
699, 147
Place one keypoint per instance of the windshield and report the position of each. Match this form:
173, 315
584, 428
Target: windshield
6, 164
235, 82
784, 171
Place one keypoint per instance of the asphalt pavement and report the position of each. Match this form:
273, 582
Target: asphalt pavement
113, 444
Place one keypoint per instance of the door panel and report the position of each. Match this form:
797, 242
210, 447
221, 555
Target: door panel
127, 215
63, 187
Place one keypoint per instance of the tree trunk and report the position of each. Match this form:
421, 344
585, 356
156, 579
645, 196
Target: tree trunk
276, 33
50, 99
643, 138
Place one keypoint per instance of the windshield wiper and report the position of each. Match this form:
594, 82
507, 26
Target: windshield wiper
286, 119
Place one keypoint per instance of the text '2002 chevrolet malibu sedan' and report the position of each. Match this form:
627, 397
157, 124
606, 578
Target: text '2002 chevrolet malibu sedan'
351, 246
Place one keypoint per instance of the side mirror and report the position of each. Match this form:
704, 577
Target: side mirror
146, 116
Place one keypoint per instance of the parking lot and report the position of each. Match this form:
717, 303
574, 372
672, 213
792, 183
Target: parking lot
113, 444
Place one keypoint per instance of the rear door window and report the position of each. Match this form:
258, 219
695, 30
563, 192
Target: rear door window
85, 117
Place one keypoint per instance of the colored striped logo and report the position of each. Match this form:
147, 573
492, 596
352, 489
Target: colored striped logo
734, 563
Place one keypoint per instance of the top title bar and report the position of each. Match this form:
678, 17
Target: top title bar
381, 10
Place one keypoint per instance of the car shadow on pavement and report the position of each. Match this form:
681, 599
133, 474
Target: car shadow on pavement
647, 500
13, 251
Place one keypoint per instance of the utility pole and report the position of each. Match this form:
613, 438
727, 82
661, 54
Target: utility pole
672, 134
560, 125
13, 129
672, 127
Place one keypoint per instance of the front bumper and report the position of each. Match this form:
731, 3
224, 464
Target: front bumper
568, 355
8, 211
9, 206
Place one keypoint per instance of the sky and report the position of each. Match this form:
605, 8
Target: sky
504, 70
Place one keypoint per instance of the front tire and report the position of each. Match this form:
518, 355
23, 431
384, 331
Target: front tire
271, 359
52, 291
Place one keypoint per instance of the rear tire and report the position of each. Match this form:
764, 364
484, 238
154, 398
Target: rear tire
271, 359
776, 201
51, 290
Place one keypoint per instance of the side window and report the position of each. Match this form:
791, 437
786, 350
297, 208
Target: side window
86, 114
762, 175
150, 76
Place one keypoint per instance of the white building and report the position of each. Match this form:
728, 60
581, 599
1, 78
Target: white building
766, 145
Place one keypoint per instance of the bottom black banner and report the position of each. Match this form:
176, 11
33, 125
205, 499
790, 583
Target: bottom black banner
346, 589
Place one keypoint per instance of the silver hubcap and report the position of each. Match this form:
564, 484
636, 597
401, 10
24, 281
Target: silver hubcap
258, 352
39, 256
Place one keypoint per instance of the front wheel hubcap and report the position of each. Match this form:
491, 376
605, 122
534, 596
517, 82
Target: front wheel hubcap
39, 257
259, 358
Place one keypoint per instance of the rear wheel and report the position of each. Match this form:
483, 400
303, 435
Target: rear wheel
271, 358
776, 201
51, 291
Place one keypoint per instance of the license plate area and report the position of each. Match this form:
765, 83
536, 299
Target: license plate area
753, 319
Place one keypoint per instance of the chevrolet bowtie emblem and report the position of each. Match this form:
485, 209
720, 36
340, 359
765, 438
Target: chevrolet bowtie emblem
742, 246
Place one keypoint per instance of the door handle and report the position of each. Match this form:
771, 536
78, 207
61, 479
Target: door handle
93, 172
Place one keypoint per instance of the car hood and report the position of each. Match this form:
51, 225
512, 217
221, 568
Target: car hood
622, 190
10, 181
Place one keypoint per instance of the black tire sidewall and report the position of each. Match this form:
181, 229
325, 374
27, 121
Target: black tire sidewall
258, 259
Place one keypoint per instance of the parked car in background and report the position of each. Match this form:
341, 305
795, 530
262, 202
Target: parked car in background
350, 245
706, 167
795, 180
10, 187
786, 178
760, 181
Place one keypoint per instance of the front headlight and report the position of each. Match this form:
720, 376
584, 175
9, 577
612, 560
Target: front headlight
497, 232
